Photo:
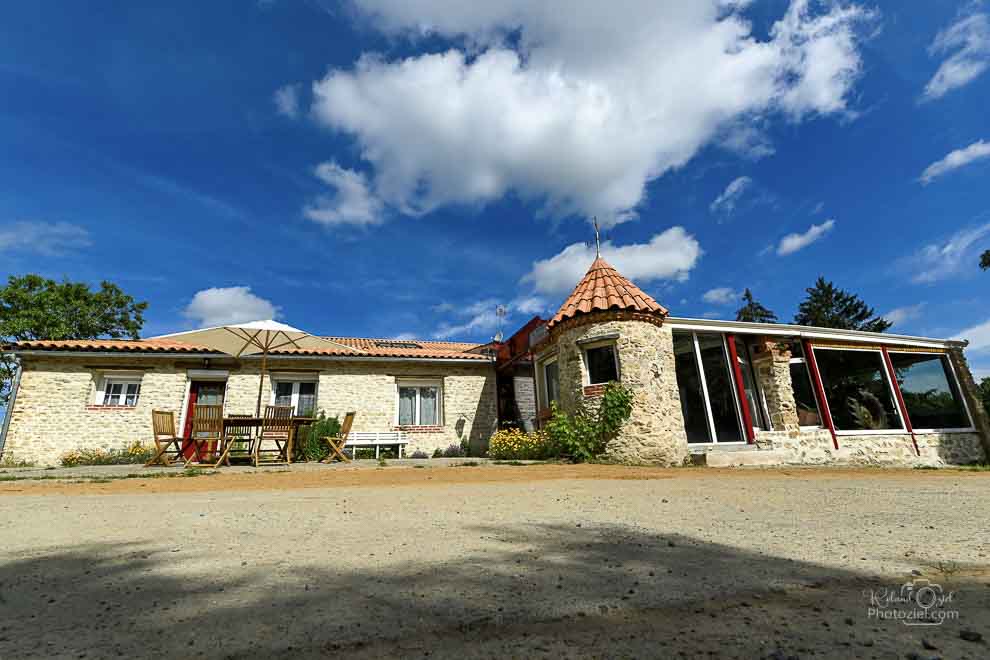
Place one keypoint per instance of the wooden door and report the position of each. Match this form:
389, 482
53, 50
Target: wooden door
207, 393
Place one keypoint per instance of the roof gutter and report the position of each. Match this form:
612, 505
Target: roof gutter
809, 332
9, 412
179, 354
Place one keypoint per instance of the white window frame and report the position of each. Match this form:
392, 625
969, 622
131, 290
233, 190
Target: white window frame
587, 367
546, 383
124, 379
295, 381
814, 392
418, 385
890, 386
955, 381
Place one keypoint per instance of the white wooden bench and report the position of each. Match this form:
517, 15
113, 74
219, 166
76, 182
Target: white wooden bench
365, 439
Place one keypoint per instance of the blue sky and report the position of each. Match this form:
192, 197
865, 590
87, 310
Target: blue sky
397, 169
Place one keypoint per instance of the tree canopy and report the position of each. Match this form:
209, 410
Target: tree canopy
985, 260
984, 390
753, 311
827, 306
32, 307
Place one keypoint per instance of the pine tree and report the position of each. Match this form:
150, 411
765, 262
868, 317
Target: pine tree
753, 311
829, 307
985, 260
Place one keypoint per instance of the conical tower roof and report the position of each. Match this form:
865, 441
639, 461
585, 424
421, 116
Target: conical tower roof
602, 289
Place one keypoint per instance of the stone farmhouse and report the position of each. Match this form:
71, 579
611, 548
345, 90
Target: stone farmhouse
722, 392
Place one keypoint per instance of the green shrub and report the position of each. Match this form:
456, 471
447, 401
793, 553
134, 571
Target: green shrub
437, 453
514, 443
585, 434
454, 451
310, 444
134, 453
419, 453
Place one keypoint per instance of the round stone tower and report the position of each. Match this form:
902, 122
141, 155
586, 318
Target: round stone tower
609, 329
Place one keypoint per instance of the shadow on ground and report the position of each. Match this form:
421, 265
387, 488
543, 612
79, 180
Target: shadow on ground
542, 591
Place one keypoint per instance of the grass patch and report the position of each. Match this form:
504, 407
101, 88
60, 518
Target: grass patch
106, 478
468, 464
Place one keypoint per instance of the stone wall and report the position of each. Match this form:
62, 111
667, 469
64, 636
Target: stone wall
773, 376
54, 411
655, 431
524, 388
814, 447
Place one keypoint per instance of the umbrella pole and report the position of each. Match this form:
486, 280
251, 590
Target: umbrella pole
261, 383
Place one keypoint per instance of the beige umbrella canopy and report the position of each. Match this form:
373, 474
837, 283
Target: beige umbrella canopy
253, 338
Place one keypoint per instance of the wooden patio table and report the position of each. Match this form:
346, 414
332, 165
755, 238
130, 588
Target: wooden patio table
256, 422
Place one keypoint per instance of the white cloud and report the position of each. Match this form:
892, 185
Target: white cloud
287, 100
586, 104
819, 207
793, 242
481, 316
49, 239
352, 202
939, 261
901, 315
223, 306
528, 305
954, 160
969, 41
668, 256
722, 295
727, 200
978, 336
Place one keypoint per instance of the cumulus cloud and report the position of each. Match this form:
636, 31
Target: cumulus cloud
224, 306
901, 315
942, 260
351, 203
481, 316
668, 256
722, 295
287, 100
727, 200
586, 102
954, 160
968, 39
48, 239
978, 336
793, 242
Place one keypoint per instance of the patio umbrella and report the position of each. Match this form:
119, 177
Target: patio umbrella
253, 338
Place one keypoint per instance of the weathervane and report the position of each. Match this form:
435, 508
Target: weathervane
598, 245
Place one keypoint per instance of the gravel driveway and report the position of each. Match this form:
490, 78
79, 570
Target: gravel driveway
493, 561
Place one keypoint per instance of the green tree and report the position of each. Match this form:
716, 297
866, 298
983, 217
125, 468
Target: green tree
829, 307
753, 311
32, 307
984, 388
985, 260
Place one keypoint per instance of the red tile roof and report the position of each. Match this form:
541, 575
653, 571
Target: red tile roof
603, 288
363, 347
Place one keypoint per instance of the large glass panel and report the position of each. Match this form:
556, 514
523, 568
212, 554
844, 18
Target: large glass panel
689, 385
721, 395
133, 390
551, 375
857, 390
407, 406
804, 396
749, 385
283, 394
307, 399
111, 397
428, 406
929, 391
601, 364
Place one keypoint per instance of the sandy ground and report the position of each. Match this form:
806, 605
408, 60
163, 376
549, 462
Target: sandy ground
493, 561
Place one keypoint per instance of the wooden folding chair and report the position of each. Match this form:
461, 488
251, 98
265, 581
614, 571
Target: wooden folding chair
168, 446
276, 428
207, 431
238, 442
338, 441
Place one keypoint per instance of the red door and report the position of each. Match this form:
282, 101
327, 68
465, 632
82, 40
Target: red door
208, 393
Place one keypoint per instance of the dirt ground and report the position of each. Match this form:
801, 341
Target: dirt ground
497, 561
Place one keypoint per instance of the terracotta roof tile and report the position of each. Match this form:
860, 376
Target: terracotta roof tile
367, 347
603, 288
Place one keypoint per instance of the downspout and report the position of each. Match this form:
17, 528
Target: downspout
730, 339
10, 405
900, 398
809, 357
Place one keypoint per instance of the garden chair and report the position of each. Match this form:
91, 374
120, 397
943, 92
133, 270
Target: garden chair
276, 428
168, 446
238, 442
338, 441
207, 431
